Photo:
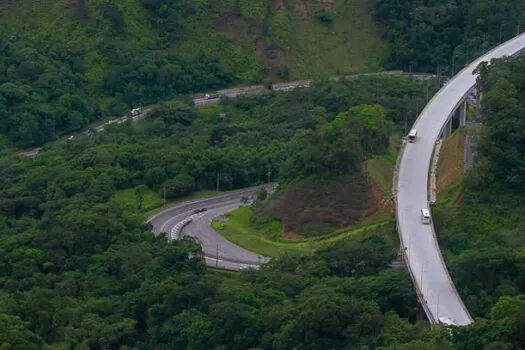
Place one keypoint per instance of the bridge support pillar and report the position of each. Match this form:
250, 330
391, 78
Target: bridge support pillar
463, 113
447, 130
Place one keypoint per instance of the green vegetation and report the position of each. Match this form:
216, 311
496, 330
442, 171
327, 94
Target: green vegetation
381, 168
347, 42
243, 229
325, 186
80, 269
128, 199
450, 165
317, 205
321, 184
443, 36
261, 238
67, 64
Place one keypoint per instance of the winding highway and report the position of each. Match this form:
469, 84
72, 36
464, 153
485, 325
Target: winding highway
218, 251
433, 284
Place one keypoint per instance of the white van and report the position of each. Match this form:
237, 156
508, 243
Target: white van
425, 216
412, 135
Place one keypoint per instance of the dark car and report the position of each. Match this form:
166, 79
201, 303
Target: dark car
201, 210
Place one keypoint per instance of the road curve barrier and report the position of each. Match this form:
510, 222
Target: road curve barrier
176, 230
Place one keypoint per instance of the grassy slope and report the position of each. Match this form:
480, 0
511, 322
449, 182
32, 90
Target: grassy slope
299, 41
266, 238
350, 44
450, 164
381, 168
318, 205
54, 21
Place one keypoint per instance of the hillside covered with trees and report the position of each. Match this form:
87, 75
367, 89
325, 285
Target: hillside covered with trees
65, 63
444, 35
80, 269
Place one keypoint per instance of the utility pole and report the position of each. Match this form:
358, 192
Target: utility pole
519, 22
164, 194
500, 28
269, 173
218, 176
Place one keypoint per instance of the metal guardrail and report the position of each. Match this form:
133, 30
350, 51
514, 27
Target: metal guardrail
176, 230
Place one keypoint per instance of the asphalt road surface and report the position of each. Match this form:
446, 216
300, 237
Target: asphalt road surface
218, 251
424, 259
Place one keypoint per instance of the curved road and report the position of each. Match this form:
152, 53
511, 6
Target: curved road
424, 261
218, 251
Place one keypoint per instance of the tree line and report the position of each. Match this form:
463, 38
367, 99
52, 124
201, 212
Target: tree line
53, 83
443, 36
81, 270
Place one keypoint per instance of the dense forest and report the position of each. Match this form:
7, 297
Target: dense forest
49, 86
65, 64
80, 269
442, 36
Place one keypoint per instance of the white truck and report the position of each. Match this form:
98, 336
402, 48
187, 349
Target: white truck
136, 111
